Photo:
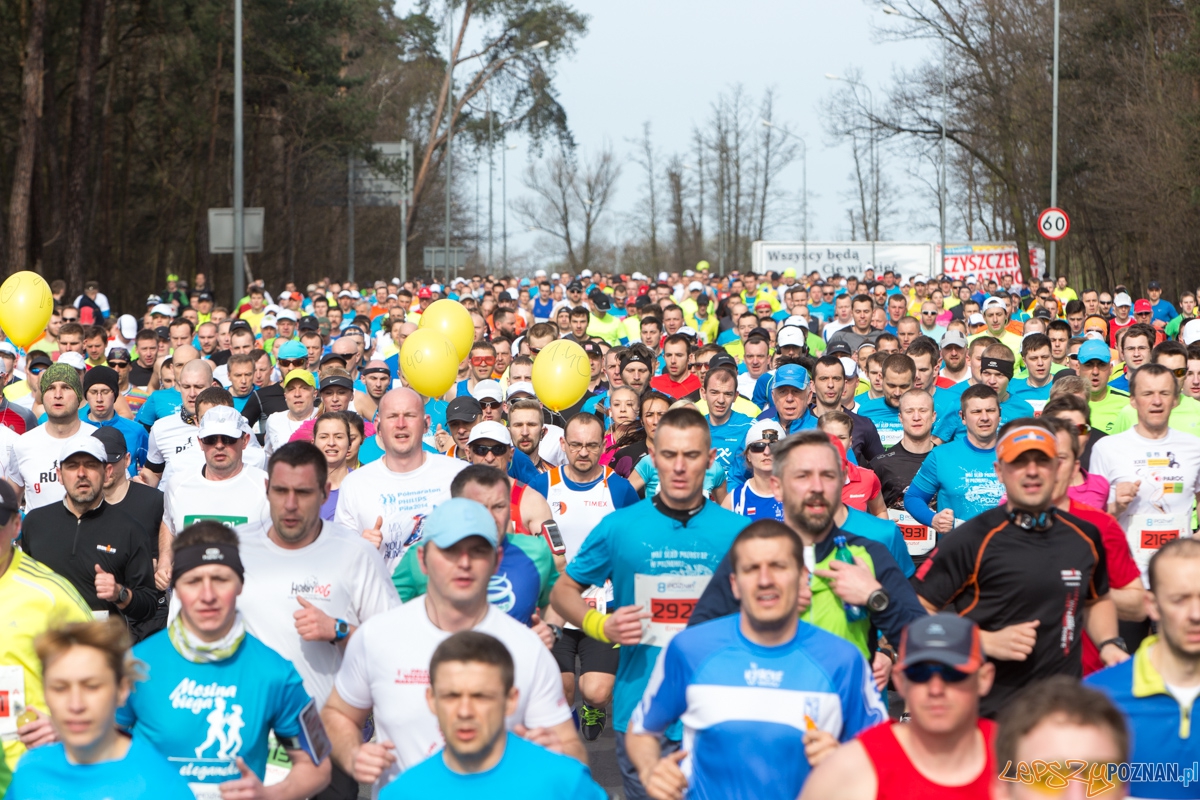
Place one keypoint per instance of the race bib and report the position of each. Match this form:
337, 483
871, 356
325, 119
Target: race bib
1037, 406
12, 701
1149, 532
890, 437
918, 538
670, 601
597, 597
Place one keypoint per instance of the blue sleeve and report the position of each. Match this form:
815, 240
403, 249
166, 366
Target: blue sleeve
592, 565
862, 706
717, 599
540, 484
622, 493
522, 468
148, 413
762, 390
644, 467
899, 551
143, 446
665, 698
290, 701
948, 427
923, 488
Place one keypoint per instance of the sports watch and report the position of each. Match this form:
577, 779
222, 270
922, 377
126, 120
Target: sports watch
1116, 641
341, 630
878, 601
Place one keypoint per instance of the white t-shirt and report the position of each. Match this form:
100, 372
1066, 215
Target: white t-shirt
374, 491
834, 327
280, 428
1169, 471
340, 573
191, 461
8, 438
33, 464
236, 501
169, 437
386, 667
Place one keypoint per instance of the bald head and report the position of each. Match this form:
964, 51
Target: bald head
182, 356
196, 370
407, 328
402, 423
345, 346
401, 400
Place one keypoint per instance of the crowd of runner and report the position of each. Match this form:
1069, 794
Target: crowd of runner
863, 536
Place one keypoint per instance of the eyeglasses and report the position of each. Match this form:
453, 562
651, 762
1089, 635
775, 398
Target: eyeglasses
924, 672
119, 364
758, 447
291, 363
482, 450
483, 361
488, 405
591, 447
1082, 428
220, 438
1179, 372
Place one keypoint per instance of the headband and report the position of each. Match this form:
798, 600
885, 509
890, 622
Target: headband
1005, 368
632, 358
197, 555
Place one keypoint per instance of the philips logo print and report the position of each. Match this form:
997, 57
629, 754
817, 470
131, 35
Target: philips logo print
764, 678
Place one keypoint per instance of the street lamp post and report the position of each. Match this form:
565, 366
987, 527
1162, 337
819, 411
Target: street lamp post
804, 184
1054, 142
874, 163
504, 202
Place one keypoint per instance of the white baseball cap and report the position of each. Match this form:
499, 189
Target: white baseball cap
267, 322
223, 421
791, 335
83, 444
521, 387
75, 360
795, 320
1191, 332
286, 313
976, 319
695, 286
127, 326
490, 429
539, 273
995, 302
1122, 299
587, 273
165, 309
849, 365
488, 389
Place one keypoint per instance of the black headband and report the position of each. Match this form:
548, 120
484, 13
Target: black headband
1005, 368
634, 358
197, 555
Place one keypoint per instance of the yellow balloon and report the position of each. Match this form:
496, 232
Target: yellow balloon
429, 362
451, 319
561, 374
25, 306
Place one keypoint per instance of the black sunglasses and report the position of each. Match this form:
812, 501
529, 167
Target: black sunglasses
220, 438
482, 450
924, 672
118, 364
758, 447
291, 363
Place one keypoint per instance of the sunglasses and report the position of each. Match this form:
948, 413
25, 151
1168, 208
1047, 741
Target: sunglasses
220, 438
1179, 372
487, 405
483, 361
758, 447
118, 364
482, 450
924, 672
929, 313
291, 363
36, 370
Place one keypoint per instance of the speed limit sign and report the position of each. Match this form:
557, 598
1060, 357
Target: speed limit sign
1053, 223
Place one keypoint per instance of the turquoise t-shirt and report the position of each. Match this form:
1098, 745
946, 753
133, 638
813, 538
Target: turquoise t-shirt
951, 426
45, 774
1035, 396
961, 476
660, 563
714, 476
728, 439
886, 419
201, 716
525, 770
160, 403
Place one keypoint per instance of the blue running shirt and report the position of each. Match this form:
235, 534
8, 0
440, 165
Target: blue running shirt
961, 476
143, 774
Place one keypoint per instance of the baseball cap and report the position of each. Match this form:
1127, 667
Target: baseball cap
8, 498
299, 375
9, 348
943, 639
266, 322
695, 286
309, 323
723, 361
954, 339
40, 357
113, 441
791, 375
292, 349
164, 309
1093, 350
331, 357
849, 365
1191, 332
1024, 438
689, 331
424, 293
1122, 299
83, 444
790, 336
331, 380
592, 349
601, 300
521, 387
456, 519
222, 421
490, 429
995, 302
285, 313
153, 300
1041, 313
761, 430
839, 348
72, 359
463, 409
487, 390
575, 286
976, 319
127, 325
797, 321
1154, 285
1142, 307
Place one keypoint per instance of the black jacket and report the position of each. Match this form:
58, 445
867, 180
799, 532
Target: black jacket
107, 536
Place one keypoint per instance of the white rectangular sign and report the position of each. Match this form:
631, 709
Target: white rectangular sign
844, 258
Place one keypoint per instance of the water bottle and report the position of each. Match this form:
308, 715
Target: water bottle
842, 553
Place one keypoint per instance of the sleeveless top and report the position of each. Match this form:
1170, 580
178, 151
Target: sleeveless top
577, 512
518, 490
898, 779
750, 503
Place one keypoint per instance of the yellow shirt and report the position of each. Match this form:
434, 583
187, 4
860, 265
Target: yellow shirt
254, 318
33, 598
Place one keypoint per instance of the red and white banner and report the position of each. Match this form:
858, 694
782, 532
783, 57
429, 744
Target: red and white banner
989, 261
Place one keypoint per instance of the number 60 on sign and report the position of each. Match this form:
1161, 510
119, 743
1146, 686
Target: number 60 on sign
1053, 224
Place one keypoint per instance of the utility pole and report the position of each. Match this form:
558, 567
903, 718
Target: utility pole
491, 180
1054, 143
239, 220
350, 218
942, 171
449, 123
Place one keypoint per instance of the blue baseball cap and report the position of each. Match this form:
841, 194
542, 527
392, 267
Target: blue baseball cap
792, 375
1092, 350
455, 520
292, 349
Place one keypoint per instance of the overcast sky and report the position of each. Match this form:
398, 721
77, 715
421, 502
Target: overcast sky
666, 61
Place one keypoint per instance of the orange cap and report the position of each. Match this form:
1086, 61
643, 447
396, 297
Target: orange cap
1023, 438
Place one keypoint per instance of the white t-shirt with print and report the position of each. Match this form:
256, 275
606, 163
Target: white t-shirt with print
387, 668
170, 436
33, 464
191, 461
374, 491
340, 574
280, 427
1169, 471
236, 501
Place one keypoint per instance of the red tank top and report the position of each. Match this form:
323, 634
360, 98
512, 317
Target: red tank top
518, 489
898, 779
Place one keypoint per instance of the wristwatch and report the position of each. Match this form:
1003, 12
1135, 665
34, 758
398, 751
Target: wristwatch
341, 630
878, 601
124, 595
556, 630
1117, 641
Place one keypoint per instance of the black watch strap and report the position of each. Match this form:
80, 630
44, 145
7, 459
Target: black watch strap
1116, 640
